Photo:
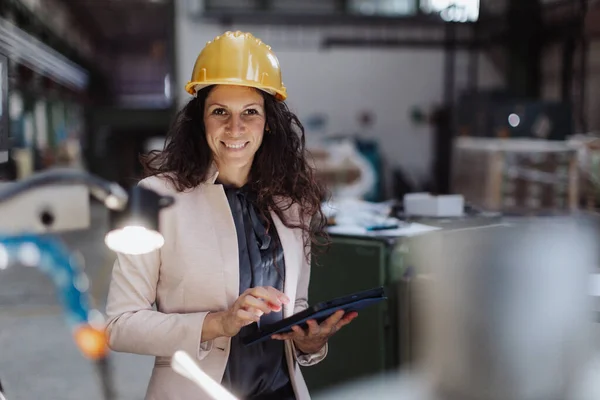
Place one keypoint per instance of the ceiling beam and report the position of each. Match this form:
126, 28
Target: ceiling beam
338, 18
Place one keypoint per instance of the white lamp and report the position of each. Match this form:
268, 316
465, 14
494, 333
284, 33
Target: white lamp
185, 366
135, 228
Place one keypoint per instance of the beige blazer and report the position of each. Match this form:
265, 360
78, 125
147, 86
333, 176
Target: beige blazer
157, 302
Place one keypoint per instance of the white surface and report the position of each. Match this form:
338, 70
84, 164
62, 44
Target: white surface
412, 229
426, 205
70, 206
595, 285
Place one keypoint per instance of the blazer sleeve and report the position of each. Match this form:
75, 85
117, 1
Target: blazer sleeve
301, 303
133, 326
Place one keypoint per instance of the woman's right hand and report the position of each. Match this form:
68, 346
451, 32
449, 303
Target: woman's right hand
250, 306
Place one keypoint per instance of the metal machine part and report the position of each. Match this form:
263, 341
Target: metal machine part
50, 256
54, 201
506, 314
46, 210
40, 205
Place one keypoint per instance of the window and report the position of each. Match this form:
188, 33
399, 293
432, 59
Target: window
383, 7
452, 10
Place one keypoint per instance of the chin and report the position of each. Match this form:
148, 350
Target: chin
239, 160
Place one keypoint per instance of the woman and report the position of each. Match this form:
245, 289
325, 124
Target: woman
237, 240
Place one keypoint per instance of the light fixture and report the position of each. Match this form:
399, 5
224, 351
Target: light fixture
514, 120
134, 214
184, 365
135, 229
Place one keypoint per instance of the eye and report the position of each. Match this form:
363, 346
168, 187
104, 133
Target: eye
219, 111
252, 111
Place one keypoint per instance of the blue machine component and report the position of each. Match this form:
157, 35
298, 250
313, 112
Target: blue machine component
51, 256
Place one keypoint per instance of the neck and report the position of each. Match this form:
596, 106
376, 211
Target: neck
234, 175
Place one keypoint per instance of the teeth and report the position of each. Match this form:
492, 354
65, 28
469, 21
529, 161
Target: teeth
235, 146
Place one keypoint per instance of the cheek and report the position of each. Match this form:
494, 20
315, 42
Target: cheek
212, 130
259, 137
258, 130
212, 133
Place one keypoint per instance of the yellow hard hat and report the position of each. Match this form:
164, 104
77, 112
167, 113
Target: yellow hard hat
237, 58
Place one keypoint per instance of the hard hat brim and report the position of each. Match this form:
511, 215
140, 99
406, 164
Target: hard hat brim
193, 87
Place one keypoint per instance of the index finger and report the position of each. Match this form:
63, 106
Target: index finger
269, 294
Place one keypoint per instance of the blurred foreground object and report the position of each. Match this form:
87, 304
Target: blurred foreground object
24, 241
185, 366
516, 176
506, 313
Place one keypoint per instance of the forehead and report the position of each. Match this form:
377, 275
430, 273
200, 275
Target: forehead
231, 95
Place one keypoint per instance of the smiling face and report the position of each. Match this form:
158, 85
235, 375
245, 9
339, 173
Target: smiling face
234, 119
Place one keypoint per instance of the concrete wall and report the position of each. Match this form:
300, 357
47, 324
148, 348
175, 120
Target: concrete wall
343, 82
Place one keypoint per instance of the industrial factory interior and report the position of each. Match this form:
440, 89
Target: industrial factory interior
299, 199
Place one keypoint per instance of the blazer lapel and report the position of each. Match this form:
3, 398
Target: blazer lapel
289, 244
228, 245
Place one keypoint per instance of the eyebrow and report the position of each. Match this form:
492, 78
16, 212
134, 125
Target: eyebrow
224, 106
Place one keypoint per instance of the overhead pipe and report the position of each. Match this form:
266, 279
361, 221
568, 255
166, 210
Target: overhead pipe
23, 48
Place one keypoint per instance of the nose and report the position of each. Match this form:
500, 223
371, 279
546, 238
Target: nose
236, 126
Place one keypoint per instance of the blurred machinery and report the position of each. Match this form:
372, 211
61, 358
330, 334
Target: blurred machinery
517, 176
505, 312
55, 201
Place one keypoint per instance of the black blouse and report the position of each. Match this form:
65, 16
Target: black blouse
259, 371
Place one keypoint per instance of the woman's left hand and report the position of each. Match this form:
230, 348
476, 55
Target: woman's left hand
313, 339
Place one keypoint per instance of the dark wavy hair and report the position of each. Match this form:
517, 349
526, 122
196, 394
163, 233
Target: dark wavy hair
279, 171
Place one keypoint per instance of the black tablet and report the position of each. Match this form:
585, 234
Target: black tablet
319, 312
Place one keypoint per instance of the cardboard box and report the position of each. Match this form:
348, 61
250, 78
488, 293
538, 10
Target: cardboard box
427, 205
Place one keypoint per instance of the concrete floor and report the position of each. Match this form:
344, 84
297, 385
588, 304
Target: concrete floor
38, 359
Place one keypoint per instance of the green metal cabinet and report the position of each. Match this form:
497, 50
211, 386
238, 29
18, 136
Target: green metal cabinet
367, 345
